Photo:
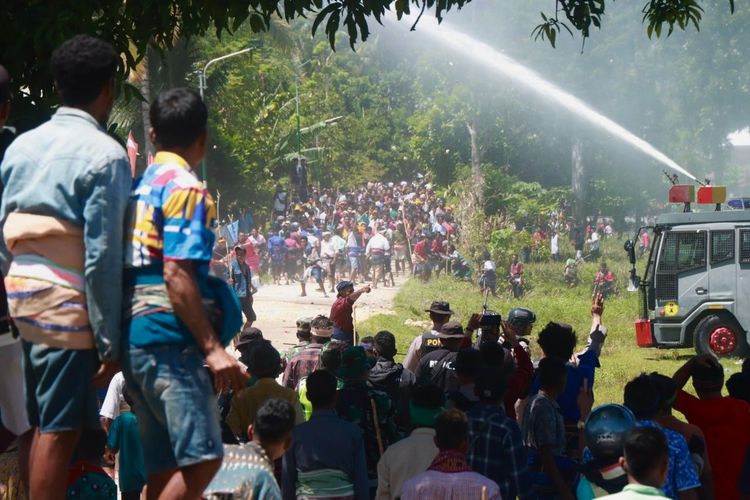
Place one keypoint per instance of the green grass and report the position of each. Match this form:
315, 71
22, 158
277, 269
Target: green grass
551, 300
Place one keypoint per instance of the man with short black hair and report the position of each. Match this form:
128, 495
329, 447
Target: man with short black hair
450, 475
327, 457
725, 421
641, 396
248, 471
342, 311
544, 428
497, 449
66, 186
178, 318
263, 364
646, 460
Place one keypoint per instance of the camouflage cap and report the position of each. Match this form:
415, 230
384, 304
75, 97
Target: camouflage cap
303, 324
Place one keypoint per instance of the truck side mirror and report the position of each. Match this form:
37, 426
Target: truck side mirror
630, 249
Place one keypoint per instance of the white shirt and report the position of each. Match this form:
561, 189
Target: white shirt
377, 242
113, 400
554, 244
488, 265
404, 460
327, 248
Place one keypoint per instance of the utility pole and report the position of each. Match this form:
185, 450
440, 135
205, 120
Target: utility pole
202, 88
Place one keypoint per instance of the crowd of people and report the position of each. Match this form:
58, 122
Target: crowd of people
109, 285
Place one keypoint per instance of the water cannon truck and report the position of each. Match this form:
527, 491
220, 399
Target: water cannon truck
695, 289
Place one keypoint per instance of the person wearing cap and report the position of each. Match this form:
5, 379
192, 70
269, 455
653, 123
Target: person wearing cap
440, 314
263, 363
497, 449
342, 311
303, 334
306, 361
725, 421
369, 408
241, 280
327, 456
437, 367
518, 362
413, 454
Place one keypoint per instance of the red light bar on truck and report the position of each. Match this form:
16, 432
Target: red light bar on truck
712, 195
682, 193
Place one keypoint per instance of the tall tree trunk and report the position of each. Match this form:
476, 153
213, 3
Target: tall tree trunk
578, 187
144, 85
476, 169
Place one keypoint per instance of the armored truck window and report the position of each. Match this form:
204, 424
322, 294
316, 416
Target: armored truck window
745, 246
683, 251
722, 246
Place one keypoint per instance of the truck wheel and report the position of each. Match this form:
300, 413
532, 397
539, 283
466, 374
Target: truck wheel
719, 336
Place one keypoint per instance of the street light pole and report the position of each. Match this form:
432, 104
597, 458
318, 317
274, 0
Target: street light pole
202, 88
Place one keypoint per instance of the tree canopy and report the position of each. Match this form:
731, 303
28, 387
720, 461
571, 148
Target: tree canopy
32, 28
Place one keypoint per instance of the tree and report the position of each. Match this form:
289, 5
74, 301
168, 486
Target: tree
33, 28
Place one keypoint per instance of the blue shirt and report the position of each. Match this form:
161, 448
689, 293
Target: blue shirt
497, 451
70, 169
568, 400
242, 277
681, 473
124, 437
326, 441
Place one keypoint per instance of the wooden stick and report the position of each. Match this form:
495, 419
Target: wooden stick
378, 436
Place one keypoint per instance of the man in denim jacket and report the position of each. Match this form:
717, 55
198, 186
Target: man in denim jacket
66, 186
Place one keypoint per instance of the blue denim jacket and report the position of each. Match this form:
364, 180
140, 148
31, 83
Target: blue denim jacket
70, 169
241, 280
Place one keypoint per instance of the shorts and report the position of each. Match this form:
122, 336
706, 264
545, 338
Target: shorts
353, 262
175, 405
399, 252
247, 308
316, 273
60, 393
12, 398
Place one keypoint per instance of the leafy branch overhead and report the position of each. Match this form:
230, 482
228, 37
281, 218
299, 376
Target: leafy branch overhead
33, 28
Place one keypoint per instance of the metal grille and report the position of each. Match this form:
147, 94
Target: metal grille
722, 246
666, 286
745, 246
683, 251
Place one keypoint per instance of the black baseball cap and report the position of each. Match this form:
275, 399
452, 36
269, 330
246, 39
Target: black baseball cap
490, 319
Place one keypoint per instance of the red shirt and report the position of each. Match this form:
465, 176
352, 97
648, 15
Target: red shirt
341, 314
725, 423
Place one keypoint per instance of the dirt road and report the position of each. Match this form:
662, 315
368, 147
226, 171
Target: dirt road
279, 306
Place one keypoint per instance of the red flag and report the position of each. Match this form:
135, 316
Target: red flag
132, 148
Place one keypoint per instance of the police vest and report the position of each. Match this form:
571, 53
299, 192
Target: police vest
430, 342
